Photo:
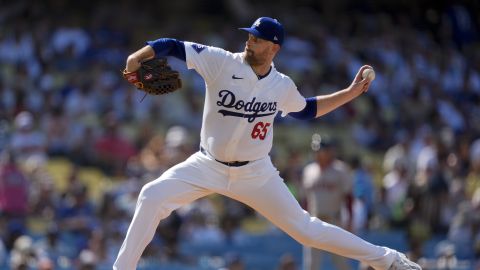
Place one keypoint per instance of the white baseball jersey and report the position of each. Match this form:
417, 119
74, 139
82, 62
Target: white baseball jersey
239, 108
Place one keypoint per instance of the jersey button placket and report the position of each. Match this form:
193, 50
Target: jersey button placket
232, 176
232, 147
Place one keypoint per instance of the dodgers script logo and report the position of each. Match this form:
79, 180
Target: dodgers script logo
251, 109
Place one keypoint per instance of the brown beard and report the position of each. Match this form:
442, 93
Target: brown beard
253, 59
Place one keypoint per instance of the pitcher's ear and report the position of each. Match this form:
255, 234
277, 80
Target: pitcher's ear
276, 48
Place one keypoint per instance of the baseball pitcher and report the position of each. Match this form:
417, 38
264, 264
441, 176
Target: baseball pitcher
244, 93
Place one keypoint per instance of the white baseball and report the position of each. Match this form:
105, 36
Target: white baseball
368, 73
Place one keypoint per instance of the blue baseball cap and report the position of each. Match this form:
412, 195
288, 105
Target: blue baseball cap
268, 29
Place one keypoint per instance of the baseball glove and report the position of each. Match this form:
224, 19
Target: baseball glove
154, 77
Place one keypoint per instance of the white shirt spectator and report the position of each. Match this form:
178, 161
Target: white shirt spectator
26, 142
396, 188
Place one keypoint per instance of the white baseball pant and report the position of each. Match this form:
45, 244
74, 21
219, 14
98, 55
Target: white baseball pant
256, 184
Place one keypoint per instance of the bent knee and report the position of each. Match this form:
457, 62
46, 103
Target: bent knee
160, 195
146, 192
152, 192
151, 198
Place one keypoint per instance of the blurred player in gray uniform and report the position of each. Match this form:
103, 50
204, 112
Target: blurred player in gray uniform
328, 188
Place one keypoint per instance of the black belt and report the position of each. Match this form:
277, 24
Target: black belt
230, 164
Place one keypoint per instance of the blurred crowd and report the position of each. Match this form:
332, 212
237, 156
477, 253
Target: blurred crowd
62, 97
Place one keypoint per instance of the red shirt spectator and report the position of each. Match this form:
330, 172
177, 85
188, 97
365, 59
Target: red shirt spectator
13, 188
113, 151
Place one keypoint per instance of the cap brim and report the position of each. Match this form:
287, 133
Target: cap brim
254, 32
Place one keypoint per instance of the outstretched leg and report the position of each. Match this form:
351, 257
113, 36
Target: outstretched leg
274, 201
